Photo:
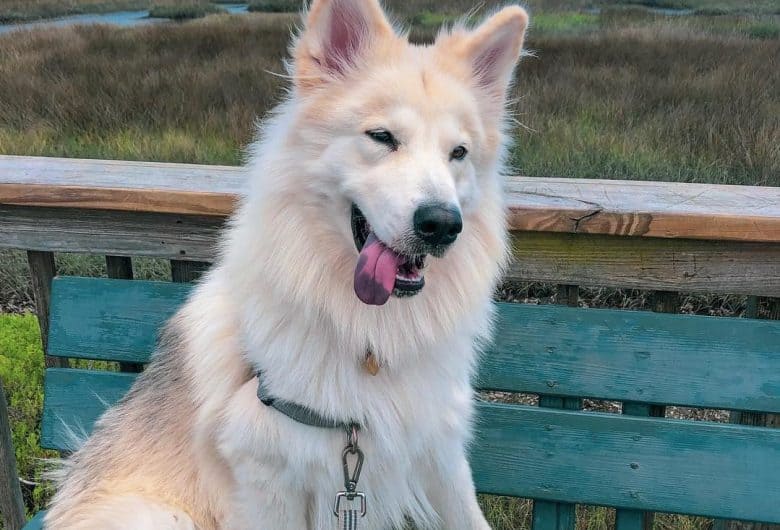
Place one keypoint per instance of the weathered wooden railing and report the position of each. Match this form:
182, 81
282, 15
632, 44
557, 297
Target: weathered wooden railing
667, 238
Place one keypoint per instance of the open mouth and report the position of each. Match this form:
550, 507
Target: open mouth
381, 270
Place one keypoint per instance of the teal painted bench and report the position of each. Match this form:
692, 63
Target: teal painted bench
557, 456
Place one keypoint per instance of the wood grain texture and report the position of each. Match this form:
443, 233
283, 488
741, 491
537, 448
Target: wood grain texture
752, 418
42, 270
629, 208
647, 263
182, 237
558, 515
557, 455
654, 464
73, 400
187, 271
641, 263
121, 268
649, 209
637, 519
661, 302
11, 501
549, 515
118, 320
608, 354
635, 356
119, 199
553, 516
90, 173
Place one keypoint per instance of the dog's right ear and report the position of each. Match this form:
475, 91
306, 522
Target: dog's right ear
335, 39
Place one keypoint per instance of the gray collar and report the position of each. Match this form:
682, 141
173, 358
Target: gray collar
300, 413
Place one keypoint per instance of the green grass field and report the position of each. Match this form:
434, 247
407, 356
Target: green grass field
21, 369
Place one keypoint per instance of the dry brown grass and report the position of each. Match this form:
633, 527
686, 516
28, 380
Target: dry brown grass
657, 102
190, 92
30, 9
19, 10
25, 10
646, 99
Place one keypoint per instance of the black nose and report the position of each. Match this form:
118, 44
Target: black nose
437, 224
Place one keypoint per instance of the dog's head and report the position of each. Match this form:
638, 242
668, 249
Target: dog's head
402, 140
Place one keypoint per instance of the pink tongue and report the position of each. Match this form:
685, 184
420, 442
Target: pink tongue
375, 271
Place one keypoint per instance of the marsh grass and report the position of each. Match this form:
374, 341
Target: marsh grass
275, 6
609, 96
185, 11
13, 11
711, 7
25, 10
189, 92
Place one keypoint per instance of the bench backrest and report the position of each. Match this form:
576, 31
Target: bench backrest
551, 453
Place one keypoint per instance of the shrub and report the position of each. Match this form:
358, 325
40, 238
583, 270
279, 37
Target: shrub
764, 31
276, 6
711, 11
184, 12
21, 369
429, 19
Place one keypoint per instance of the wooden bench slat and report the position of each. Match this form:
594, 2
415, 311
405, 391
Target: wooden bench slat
116, 320
73, 400
717, 470
608, 354
635, 356
657, 464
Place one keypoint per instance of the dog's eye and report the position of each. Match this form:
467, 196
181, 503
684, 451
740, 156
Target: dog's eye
459, 153
384, 137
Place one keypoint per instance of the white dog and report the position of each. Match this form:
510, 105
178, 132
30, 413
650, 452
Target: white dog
353, 287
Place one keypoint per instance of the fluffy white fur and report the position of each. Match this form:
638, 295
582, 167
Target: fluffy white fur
191, 446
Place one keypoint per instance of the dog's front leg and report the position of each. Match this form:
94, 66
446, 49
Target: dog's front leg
450, 490
265, 502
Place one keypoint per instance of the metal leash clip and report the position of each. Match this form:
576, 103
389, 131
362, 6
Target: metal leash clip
350, 492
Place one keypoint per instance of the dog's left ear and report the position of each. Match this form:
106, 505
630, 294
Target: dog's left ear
493, 49
337, 36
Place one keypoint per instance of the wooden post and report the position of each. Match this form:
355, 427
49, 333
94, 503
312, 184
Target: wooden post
11, 501
558, 515
753, 418
774, 308
568, 295
121, 268
187, 271
661, 302
42, 271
